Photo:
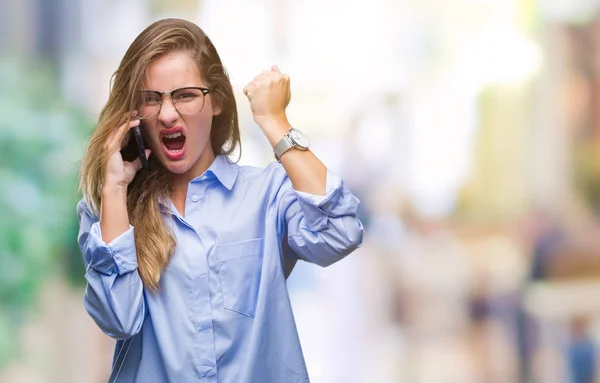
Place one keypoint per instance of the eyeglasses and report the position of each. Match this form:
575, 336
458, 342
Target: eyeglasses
189, 100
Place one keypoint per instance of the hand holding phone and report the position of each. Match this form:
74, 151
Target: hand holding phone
123, 164
135, 147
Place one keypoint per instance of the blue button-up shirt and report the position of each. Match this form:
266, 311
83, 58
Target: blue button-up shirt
223, 313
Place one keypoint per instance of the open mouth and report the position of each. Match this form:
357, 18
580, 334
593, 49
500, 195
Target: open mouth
173, 144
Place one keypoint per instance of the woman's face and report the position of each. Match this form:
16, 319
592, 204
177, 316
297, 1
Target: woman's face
181, 142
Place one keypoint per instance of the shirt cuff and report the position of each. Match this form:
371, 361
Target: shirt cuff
338, 201
117, 256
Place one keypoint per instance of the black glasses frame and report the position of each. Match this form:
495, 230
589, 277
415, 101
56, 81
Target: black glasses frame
161, 95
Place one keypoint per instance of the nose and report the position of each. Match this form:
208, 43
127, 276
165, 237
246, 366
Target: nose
168, 114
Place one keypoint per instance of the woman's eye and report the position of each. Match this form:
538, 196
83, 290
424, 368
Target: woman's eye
150, 99
185, 96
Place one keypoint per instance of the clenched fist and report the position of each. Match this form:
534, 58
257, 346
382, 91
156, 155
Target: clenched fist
269, 94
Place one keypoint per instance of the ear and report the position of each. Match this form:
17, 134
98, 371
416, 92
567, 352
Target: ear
216, 107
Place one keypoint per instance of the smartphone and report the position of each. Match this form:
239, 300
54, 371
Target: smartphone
135, 147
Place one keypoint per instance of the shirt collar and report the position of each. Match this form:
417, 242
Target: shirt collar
224, 170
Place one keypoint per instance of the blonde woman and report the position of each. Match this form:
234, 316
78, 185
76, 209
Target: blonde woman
187, 259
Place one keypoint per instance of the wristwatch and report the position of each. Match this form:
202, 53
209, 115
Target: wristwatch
293, 139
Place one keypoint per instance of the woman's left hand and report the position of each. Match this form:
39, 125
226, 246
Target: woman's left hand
269, 94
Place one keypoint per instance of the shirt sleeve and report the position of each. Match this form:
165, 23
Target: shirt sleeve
319, 229
114, 295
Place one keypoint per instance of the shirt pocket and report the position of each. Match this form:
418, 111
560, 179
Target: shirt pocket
240, 272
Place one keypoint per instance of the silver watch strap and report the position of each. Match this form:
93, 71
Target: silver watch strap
282, 146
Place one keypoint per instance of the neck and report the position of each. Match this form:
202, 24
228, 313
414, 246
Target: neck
180, 182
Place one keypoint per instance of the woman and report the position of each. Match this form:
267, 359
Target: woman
186, 260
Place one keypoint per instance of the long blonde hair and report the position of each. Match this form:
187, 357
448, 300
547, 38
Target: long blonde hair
153, 239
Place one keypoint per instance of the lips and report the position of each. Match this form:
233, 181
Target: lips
173, 142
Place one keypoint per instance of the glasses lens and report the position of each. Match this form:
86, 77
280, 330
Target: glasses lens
188, 100
149, 104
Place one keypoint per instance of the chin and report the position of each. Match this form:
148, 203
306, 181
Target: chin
176, 167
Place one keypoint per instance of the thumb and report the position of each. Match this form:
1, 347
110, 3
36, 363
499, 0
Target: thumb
136, 166
275, 68
137, 163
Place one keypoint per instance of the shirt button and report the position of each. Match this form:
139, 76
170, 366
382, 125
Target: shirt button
195, 198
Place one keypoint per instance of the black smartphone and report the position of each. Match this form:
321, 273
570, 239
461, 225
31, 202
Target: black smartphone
135, 147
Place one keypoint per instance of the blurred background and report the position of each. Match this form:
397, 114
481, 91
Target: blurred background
469, 129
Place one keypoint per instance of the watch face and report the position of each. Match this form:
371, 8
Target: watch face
299, 138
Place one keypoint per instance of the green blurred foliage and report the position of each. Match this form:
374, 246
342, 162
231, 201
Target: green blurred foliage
587, 173
42, 139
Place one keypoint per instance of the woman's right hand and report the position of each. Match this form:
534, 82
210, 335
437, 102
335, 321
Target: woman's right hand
118, 172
